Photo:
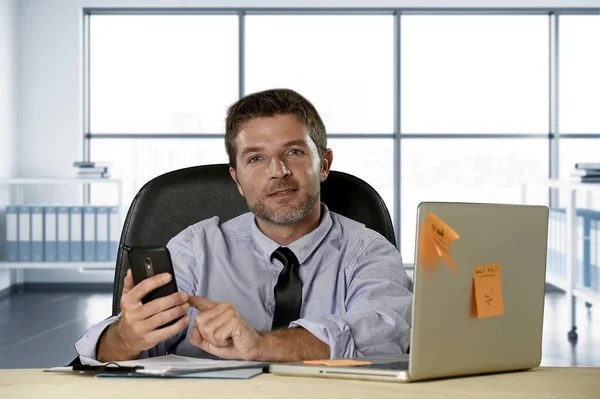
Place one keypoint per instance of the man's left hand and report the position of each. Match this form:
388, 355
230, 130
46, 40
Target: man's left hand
221, 331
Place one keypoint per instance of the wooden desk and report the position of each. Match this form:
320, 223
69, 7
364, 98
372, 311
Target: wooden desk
539, 383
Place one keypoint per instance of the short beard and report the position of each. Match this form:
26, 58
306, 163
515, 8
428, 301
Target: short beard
284, 216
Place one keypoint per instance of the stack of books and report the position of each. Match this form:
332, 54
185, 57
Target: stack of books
588, 172
89, 170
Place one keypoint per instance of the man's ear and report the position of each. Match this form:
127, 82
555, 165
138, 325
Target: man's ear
326, 164
233, 175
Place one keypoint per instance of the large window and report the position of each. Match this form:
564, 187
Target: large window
471, 75
162, 73
579, 61
467, 170
460, 104
474, 74
343, 64
579, 100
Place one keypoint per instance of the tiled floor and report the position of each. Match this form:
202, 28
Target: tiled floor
38, 329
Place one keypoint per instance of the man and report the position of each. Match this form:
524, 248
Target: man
288, 281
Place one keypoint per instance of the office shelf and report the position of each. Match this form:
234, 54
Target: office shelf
20, 182
58, 265
58, 180
569, 283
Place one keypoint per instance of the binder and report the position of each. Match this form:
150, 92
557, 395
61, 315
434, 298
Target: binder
594, 255
37, 234
563, 244
12, 234
75, 233
89, 234
556, 241
585, 243
24, 234
551, 244
102, 234
597, 247
595, 250
579, 265
114, 232
62, 234
50, 230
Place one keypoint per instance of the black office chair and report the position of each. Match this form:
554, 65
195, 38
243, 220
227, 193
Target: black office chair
169, 203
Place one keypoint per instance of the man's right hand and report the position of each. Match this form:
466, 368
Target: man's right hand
138, 327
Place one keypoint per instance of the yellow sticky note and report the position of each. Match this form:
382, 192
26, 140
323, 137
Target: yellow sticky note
486, 299
337, 362
435, 237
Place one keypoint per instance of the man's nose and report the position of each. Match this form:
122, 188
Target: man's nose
277, 168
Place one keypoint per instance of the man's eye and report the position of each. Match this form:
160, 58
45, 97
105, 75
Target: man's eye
254, 159
296, 151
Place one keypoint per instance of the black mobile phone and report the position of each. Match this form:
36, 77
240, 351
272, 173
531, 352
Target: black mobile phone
146, 262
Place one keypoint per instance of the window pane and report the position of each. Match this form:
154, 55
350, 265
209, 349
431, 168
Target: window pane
468, 170
136, 161
474, 74
343, 64
372, 160
572, 151
162, 73
579, 73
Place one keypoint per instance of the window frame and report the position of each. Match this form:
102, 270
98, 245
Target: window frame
553, 135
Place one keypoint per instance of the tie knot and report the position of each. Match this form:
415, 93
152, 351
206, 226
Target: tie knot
285, 256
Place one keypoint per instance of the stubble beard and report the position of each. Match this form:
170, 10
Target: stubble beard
284, 214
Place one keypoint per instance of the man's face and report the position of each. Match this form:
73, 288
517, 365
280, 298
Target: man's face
278, 168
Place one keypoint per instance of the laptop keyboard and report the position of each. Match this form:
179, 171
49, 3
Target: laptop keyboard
402, 365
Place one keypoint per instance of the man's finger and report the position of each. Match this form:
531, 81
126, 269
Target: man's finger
149, 285
159, 319
167, 332
224, 333
161, 304
196, 339
212, 330
201, 303
205, 316
128, 282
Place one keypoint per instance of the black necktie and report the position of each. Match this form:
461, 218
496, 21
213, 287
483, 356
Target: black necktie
288, 290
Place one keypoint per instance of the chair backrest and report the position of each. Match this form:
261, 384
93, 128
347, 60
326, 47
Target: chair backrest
169, 203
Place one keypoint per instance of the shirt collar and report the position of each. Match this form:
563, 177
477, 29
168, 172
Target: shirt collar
302, 247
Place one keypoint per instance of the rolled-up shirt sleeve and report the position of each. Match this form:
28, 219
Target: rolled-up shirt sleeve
87, 344
378, 307
183, 259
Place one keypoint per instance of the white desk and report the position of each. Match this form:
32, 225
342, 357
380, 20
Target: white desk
545, 383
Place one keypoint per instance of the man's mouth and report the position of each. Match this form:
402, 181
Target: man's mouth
282, 192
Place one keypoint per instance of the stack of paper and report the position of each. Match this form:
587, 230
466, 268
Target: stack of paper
174, 365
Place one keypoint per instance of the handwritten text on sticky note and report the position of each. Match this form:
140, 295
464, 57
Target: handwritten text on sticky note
435, 237
486, 300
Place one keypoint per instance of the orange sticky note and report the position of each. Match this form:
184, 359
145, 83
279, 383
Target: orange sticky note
337, 362
486, 300
435, 237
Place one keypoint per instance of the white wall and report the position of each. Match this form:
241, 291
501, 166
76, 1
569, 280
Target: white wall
8, 91
50, 76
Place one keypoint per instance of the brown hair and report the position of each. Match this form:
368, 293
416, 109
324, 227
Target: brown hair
270, 103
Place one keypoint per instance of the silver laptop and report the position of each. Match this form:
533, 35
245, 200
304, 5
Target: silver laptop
447, 340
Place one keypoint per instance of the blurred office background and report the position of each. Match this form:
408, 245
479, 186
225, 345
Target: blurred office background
478, 101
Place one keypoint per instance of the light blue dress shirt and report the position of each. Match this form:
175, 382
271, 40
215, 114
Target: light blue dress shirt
357, 297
